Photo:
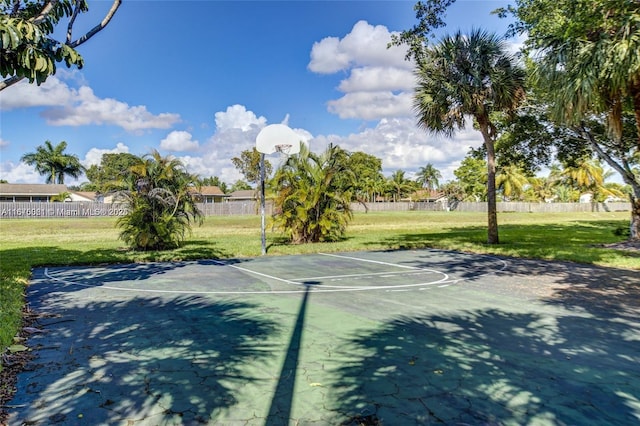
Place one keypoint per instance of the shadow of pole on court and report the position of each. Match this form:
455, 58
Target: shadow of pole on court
282, 401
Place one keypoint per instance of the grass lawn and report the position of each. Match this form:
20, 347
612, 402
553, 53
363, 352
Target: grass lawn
28, 243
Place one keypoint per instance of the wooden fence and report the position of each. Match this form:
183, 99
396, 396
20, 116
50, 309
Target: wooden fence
19, 210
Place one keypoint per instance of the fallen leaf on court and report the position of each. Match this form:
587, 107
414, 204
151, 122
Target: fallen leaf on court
32, 330
314, 385
17, 348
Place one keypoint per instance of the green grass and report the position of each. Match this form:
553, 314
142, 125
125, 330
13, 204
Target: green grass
28, 243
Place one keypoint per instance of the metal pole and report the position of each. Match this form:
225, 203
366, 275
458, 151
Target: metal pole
262, 206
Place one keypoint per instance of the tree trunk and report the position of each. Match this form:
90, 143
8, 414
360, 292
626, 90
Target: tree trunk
634, 229
492, 228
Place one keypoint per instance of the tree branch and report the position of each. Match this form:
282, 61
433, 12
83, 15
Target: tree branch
10, 82
45, 11
72, 20
114, 7
625, 172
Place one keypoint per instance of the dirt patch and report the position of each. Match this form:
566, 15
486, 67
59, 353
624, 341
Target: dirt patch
624, 245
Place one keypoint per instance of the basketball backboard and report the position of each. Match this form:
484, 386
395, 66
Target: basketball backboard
277, 138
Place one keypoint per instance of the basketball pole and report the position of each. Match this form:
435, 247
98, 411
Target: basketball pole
262, 206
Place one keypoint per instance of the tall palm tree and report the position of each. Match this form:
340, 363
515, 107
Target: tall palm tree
429, 177
314, 196
400, 185
51, 161
161, 198
512, 182
469, 75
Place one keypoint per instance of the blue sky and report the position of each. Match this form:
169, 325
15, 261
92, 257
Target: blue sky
199, 79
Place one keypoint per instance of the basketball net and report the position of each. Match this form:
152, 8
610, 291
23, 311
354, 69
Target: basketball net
283, 149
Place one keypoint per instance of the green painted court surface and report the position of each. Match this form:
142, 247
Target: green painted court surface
393, 338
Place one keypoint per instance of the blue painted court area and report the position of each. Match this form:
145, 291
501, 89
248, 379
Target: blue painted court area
394, 338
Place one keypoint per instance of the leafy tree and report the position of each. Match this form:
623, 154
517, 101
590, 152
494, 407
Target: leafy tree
240, 185
61, 197
454, 192
215, 181
161, 199
429, 177
512, 182
368, 169
588, 175
472, 178
586, 52
50, 160
399, 185
313, 202
540, 189
102, 177
29, 49
249, 165
469, 75
430, 15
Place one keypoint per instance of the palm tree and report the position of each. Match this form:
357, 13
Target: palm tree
161, 199
587, 61
474, 76
52, 162
588, 175
399, 185
314, 196
512, 182
428, 177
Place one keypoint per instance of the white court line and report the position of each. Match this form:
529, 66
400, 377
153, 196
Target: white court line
329, 289
372, 261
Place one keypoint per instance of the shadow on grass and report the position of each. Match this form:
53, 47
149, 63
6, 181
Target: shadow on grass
578, 240
491, 367
162, 361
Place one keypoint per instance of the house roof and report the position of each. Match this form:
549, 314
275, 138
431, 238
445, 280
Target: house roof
32, 189
89, 195
212, 190
245, 194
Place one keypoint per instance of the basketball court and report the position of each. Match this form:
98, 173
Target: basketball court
388, 337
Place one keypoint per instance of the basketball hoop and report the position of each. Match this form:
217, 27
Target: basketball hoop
273, 138
284, 149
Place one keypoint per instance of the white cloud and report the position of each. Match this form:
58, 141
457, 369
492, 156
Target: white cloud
66, 106
372, 105
380, 81
365, 45
237, 117
86, 109
94, 155
19, 173
3, 143
53, 92
378, 78
402, 146
179, 141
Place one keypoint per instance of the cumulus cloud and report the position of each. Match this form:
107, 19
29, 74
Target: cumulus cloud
94, 155
237, 117
365, 45
380, 81
372, 105
369, 79
3, 143
86, 109
53, 92
179, 141
66, 106
19, 173
402, 146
